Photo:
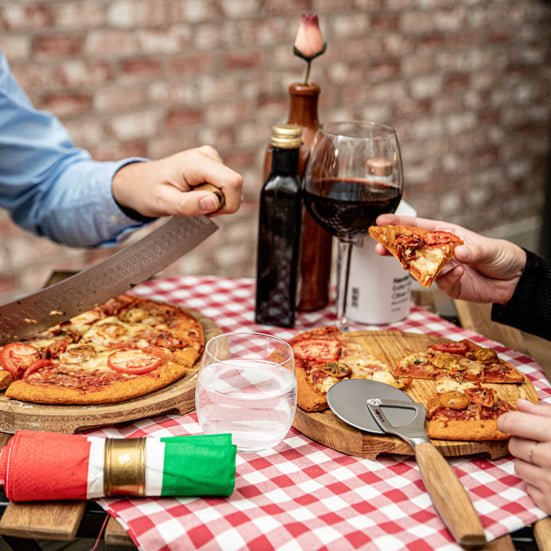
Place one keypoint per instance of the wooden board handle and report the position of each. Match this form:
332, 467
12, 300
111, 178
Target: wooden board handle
449, 497
212, 189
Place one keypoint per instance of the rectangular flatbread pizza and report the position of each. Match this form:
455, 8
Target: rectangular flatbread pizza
457, 382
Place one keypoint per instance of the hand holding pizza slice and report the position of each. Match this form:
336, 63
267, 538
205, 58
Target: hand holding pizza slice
485, 269
422, 252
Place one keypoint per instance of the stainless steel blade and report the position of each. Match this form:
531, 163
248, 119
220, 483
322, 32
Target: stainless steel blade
348, 401
119, 273
413, 431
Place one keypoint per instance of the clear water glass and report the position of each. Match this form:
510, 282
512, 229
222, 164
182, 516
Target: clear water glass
247, 387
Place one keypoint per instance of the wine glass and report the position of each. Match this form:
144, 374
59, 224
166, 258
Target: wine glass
353, 174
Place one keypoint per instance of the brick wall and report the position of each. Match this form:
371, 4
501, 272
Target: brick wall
465, 82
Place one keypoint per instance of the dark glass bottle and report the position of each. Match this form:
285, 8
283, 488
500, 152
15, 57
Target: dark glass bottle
315, 249
279, 232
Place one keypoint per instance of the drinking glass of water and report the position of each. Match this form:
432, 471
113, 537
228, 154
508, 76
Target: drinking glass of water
247, 387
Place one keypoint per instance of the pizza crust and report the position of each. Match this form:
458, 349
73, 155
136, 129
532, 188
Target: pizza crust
307, 397
465, 430
115, 392
5, 379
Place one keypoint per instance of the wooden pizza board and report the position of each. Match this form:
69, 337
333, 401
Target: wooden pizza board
179, 397
391, 346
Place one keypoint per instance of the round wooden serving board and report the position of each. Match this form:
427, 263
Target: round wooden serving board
179, 397
392, 346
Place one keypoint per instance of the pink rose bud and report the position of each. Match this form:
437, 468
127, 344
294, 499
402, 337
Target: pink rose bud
308, 40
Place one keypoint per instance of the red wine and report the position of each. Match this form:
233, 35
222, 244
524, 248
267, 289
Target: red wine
347, 207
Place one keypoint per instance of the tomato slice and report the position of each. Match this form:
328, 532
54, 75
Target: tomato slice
17, 356
440, 238
318, 349
133, 361
450, 347
36, 366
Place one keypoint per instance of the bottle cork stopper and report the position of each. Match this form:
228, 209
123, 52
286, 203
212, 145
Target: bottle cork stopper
286, 136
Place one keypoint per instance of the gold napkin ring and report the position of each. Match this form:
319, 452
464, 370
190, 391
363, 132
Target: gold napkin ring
124, 467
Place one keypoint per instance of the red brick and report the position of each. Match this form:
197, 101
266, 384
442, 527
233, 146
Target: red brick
183, 117
190, 64
58, 45
383, 69
456, 81
66, 104
78, 72
77, 14
385, 21
167, 144
140, 68
242, 60
288, 6
119, 98
109, 43
25, 17
111, 150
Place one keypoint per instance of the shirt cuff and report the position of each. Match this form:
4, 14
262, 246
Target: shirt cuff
121, 221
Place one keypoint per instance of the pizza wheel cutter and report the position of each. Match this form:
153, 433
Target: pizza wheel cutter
383, 409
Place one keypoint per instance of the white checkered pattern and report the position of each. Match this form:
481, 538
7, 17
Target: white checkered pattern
302, 495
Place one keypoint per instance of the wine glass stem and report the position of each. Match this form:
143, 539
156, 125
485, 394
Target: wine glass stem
343, 269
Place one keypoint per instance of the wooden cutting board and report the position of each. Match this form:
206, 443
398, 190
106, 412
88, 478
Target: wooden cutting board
392, 346
178, 397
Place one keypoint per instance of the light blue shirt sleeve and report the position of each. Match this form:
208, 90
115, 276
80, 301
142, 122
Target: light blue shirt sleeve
49, 186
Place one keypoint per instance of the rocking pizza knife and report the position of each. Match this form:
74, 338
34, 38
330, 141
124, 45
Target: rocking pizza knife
383, 409
119, 273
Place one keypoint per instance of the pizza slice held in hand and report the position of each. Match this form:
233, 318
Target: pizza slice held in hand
422, 252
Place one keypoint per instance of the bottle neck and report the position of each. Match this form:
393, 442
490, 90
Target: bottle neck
284, 161
303, 104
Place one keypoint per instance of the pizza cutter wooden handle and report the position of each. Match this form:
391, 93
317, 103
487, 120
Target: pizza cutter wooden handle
449, 497
212, 189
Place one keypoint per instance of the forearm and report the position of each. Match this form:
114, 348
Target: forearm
529, 309
48, 185
78, 208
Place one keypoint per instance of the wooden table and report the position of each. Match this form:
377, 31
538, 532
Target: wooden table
21, 524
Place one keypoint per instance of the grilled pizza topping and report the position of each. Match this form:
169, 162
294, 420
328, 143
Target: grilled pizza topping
39, 364
133, 361
336, 369
450, 347
441, 237
454, 400
16, 357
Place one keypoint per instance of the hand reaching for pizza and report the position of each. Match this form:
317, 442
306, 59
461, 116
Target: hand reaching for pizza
483, 270
530, 444
165, 187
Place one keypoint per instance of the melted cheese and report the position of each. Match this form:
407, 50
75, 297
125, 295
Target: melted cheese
363, 366
385, 377
428, 261
451, 385
326, 384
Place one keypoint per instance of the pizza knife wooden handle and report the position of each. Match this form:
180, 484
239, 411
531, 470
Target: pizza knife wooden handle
212, 189
449, 497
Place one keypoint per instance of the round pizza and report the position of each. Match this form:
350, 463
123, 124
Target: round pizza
125, 348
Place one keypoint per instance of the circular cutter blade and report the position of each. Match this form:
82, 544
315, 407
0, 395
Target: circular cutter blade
347, 400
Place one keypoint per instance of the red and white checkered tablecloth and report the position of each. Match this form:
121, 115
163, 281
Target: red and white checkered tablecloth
302, 495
